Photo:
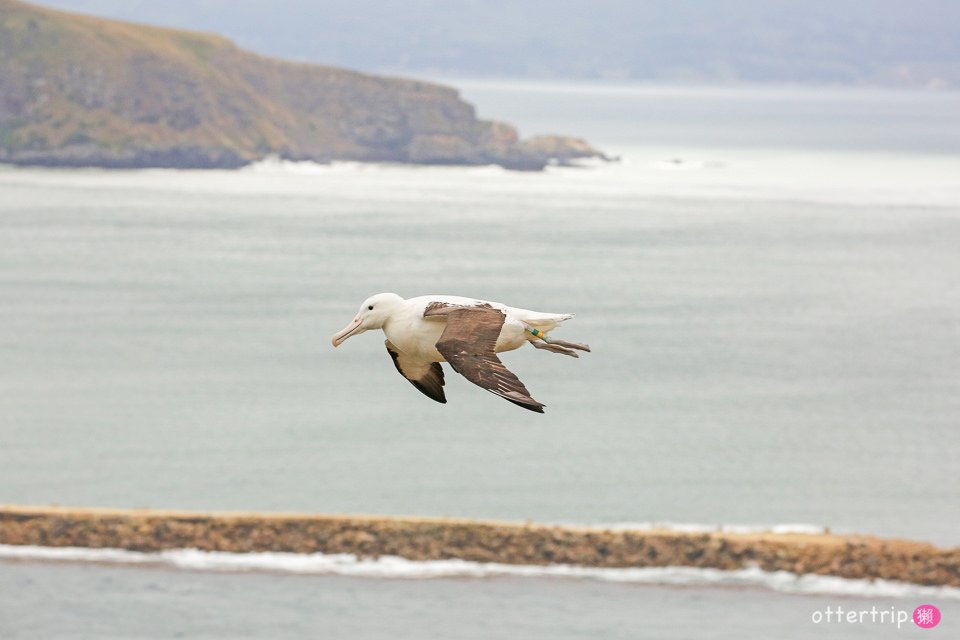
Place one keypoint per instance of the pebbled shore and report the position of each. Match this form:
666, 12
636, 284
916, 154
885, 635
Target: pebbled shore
856, 557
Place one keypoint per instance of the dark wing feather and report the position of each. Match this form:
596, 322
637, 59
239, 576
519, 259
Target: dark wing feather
469, 343
425, 376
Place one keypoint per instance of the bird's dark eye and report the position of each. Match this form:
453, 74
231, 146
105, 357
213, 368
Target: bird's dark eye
370, 307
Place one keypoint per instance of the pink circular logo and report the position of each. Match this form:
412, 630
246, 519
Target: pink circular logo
926, 616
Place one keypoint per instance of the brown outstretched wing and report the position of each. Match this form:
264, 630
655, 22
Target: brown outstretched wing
425, 376
469, 343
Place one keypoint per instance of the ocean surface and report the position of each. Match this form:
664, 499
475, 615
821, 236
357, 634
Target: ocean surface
769, 280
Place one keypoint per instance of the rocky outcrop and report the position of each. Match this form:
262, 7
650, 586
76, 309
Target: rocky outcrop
861, 557
82, 91
560, 149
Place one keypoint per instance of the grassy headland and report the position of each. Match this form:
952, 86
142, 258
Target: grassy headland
83, 91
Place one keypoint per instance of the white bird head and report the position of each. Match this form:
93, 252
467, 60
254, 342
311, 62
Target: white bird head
374, 312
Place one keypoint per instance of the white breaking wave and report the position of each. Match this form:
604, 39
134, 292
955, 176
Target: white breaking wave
274, 165
396, 567
687, 527
277, 165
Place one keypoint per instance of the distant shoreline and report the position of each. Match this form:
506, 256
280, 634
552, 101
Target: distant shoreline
82, 91
427, 539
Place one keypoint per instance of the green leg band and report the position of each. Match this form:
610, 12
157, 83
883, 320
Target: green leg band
536, 332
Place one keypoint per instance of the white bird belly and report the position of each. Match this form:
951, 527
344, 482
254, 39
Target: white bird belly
512, 336
416, 337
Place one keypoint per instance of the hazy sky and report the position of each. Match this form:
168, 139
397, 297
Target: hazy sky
887, 41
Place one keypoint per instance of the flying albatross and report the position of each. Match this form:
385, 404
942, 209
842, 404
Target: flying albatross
425, 331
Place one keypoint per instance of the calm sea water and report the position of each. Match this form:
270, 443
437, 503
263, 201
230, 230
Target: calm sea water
66, 601
769, 281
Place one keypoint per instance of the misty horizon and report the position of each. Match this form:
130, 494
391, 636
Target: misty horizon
893, 44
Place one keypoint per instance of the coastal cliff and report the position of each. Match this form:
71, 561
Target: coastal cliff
857, 557
83, 91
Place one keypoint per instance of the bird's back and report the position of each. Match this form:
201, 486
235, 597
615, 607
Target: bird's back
537, 319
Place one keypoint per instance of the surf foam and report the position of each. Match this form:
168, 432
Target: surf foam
688, 527
401, 568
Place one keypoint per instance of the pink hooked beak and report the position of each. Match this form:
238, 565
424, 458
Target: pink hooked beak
351, 329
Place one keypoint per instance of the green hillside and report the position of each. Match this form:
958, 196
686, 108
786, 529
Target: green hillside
84, 91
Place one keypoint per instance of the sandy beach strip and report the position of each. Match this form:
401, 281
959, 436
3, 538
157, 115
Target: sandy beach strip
420, 538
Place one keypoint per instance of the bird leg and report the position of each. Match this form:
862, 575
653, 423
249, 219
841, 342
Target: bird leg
569, 345
556, 346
